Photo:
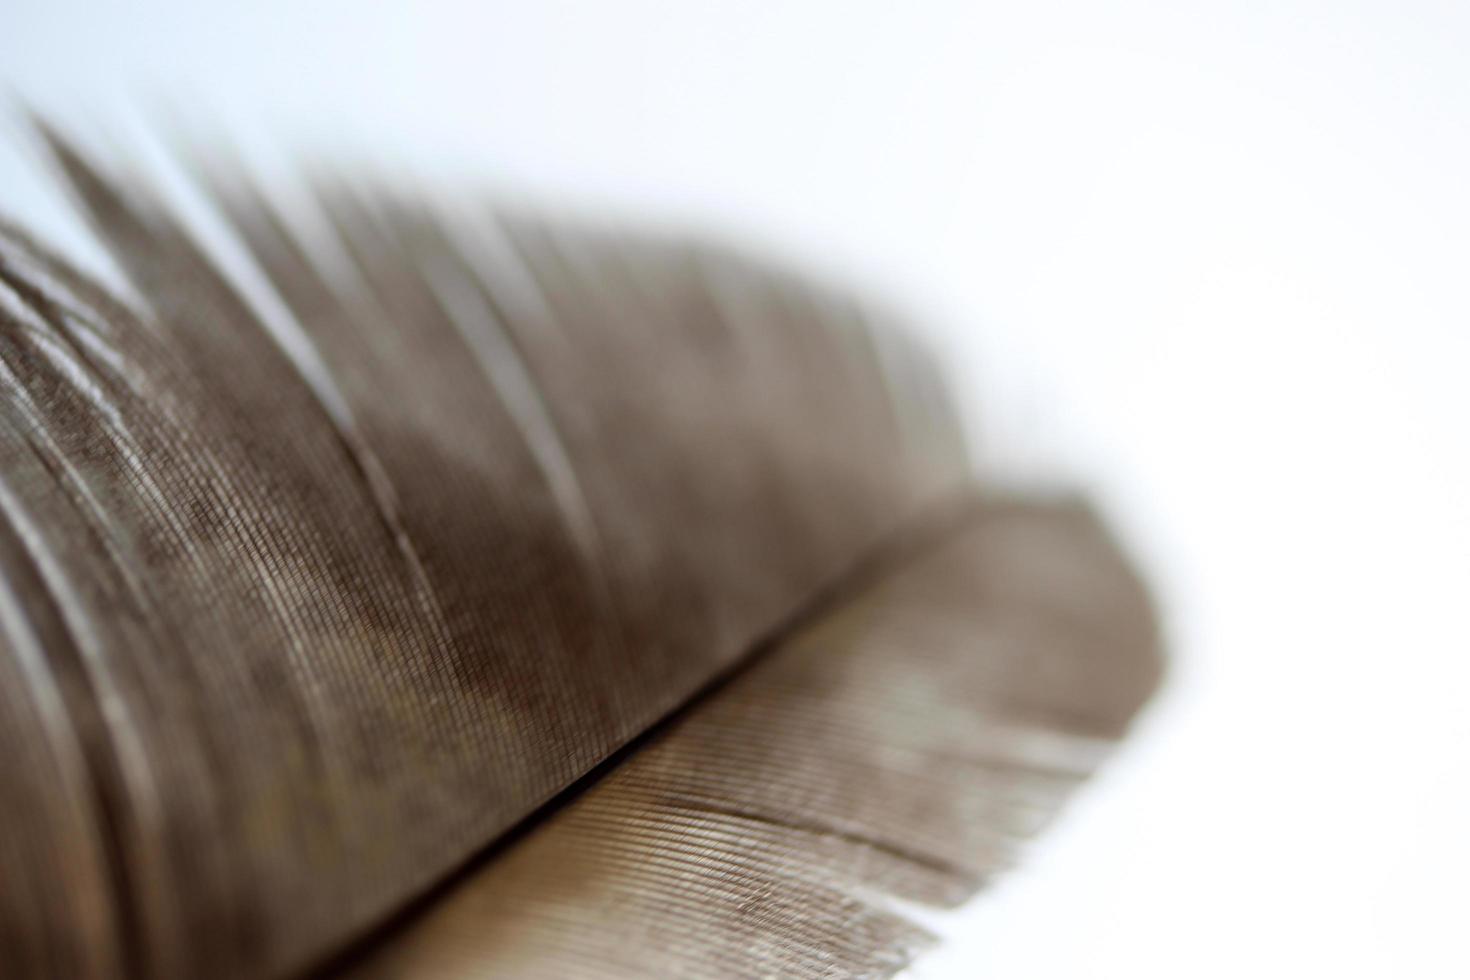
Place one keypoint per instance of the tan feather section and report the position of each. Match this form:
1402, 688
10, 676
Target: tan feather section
905, 742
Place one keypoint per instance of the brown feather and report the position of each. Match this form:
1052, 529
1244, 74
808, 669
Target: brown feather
294, 627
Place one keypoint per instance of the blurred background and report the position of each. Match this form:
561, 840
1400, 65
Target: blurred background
1207, 261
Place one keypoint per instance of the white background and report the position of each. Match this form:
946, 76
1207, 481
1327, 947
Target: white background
1209, 258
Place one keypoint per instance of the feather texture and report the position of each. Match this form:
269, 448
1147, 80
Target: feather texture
297, 619
905, 741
